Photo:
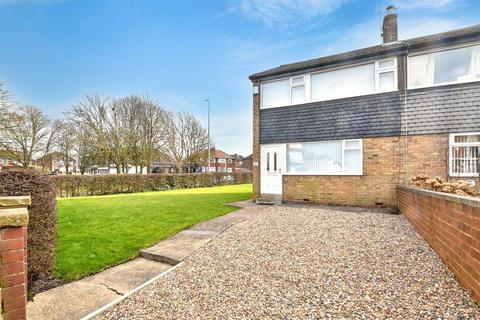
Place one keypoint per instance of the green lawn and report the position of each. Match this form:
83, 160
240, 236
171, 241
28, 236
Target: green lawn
101, 231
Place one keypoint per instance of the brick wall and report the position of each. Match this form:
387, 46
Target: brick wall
384, 167
451, 225
377, 186
256, 144
13, 257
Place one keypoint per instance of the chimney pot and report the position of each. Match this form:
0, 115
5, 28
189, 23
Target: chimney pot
389, 27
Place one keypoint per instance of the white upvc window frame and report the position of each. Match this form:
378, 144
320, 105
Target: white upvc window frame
452, 144
379, 70
307, 82
435, 51
296, 85
336, 173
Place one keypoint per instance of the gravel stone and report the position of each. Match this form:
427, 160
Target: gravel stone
307, 263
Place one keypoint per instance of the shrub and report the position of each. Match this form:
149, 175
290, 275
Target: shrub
459, 187
42, 234
74, 186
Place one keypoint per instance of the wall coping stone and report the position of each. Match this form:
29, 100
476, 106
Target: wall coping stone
13, 211
15, 201
469, 201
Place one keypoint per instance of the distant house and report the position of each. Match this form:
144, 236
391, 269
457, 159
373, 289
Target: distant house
247, 163
222, 162
6, 160
349, 128
54, 163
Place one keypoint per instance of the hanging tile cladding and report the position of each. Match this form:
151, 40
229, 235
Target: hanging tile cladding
454, 108
358, 117
445, 109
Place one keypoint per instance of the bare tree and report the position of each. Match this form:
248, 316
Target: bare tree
186, 139
153, 120
27, 134
90, 115
65, 142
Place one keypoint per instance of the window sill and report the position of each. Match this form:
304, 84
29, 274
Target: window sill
443, 84
464, 175
322, 174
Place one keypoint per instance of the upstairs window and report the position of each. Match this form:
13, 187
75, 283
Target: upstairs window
386, 75
444, 67
275, 93
357, 80
342, 83
465, 155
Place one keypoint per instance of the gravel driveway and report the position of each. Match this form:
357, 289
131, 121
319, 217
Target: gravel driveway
314, 263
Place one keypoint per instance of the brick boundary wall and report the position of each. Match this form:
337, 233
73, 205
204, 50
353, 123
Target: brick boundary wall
451, 225
13, 256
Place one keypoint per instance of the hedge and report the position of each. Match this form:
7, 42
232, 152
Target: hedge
74, 186
42, 232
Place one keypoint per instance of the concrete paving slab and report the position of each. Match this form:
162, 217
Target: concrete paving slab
129, 275
71, 301
77, 299
175, 249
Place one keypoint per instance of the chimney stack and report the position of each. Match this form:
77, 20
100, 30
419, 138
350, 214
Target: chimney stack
389, 27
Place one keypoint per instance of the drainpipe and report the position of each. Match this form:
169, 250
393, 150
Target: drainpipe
405, 111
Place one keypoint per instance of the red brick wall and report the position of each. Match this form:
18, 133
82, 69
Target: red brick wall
256, 144
377, 186
451, 225
13, 275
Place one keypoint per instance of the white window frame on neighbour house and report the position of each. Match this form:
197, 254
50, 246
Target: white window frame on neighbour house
308, 88
433, 51
333, 172
471, 165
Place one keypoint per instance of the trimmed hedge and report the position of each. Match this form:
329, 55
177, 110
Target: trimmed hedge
42, 224
74, 186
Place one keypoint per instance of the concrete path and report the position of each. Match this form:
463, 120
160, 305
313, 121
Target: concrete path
78, 299
175, 249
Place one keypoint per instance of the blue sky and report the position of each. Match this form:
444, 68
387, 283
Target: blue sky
181, 52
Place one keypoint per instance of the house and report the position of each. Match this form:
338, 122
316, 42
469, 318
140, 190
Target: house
349, 128
6, 160
222, 162
247, 163
54, 163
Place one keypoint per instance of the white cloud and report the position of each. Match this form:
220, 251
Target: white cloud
422, 4
284, 12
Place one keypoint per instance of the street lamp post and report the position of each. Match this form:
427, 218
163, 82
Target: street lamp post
208, 135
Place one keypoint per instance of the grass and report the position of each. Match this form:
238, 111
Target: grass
97, 232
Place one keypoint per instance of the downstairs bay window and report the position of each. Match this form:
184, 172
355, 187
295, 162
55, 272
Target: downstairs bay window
464, 154
342, 157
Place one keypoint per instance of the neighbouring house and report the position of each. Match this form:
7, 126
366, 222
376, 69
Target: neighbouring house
6, 161
247, 163
54, 163
349, 128
222, 162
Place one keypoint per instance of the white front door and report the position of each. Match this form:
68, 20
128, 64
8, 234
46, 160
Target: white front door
271, 163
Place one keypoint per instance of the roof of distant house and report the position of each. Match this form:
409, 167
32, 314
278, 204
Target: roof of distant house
222, 155
453, 36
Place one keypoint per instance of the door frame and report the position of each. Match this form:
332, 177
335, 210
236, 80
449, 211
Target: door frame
281, 165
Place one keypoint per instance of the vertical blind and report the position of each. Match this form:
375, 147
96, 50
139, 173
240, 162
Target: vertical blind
332, 157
